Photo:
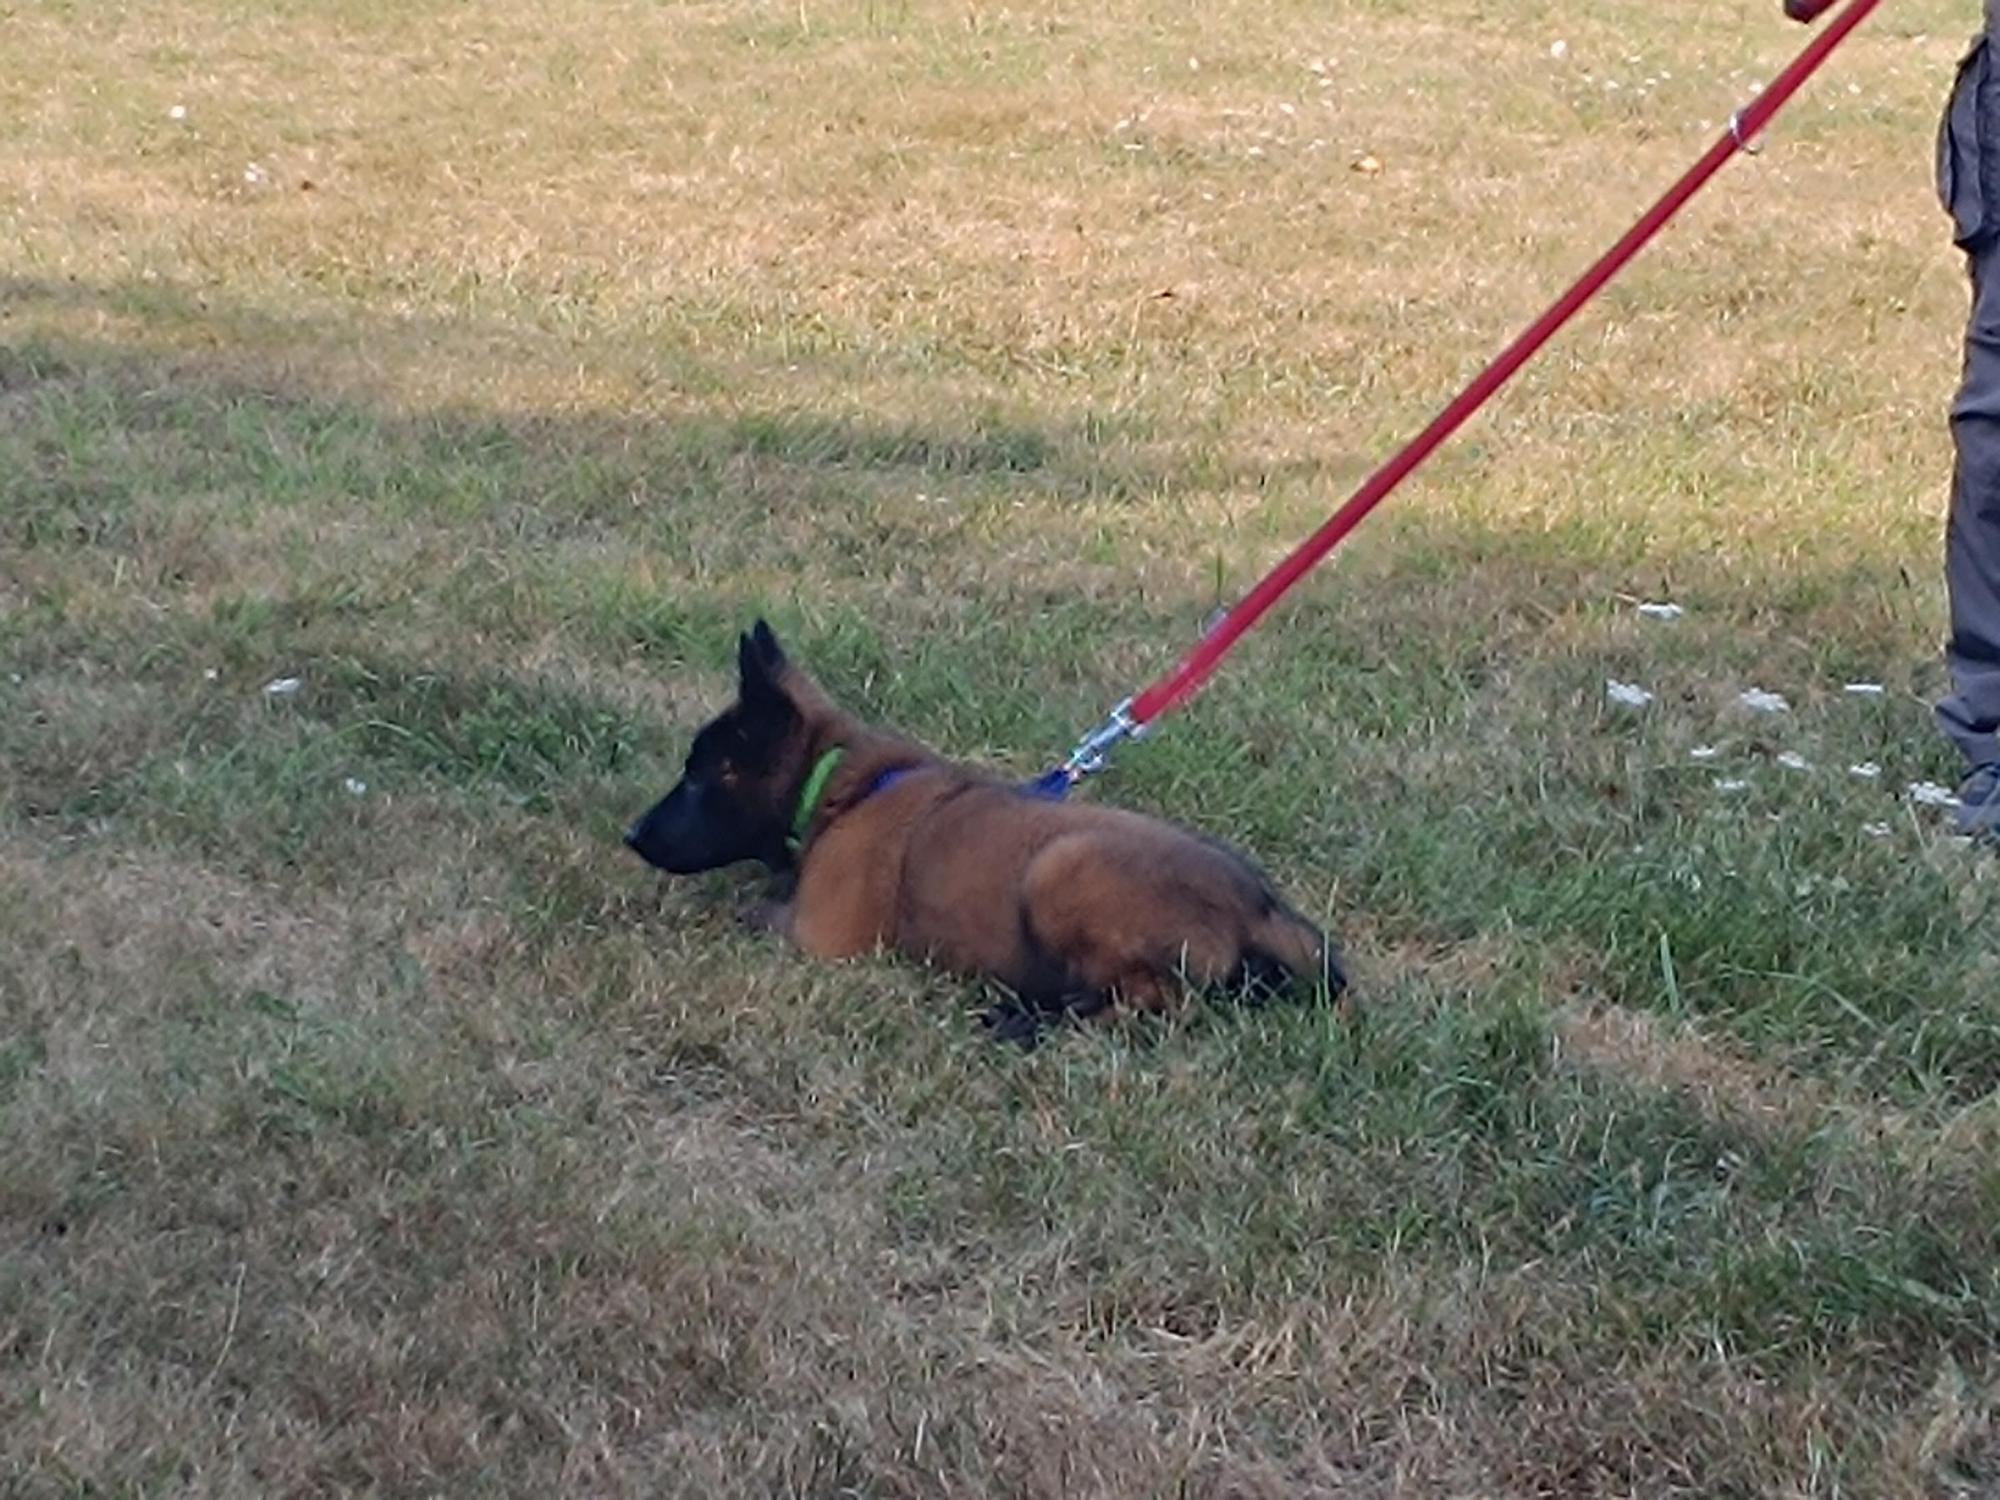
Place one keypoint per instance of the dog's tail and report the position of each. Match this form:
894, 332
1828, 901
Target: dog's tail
1283, 948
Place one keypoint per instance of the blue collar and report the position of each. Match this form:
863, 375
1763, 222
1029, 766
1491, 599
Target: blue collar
884, 781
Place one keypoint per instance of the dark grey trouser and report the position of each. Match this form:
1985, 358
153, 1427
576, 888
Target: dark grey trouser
1969, 184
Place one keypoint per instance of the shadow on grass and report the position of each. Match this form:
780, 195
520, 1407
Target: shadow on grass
241, 412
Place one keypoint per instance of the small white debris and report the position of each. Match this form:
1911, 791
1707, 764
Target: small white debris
209, 674
1661, 611
1194, 65
1760, 702
1559, 49
178, 112
282, 687
1867, 770
15, 678
1288, 109
1731, 785
1876, 830
1629, 694
253, 174
1865, 689
355, 786
1930, 794
1791, 760
1703, 752
1256, 151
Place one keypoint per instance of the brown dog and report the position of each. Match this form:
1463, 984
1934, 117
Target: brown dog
883, 844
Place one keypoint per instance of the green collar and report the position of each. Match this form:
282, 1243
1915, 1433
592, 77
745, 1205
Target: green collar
810, 795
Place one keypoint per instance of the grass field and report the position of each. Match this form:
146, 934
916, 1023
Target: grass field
371, 1123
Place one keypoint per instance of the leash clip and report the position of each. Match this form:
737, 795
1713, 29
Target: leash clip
1093, 752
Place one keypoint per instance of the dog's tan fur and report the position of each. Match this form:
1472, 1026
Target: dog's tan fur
1064, 903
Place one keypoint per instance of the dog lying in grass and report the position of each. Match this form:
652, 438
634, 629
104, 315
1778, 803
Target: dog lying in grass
878, 842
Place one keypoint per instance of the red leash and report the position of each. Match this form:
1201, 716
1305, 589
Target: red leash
1132, 717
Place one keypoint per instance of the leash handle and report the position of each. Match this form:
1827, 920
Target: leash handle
1200, 663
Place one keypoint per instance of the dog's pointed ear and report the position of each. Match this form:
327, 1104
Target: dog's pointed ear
766, 641
760, 663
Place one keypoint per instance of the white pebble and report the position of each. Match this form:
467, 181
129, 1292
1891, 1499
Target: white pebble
355, 786
1760, 702
1559, 49
282, 687
1930, 794
1791, 760
1630, 694
1876, 830
178, 112
1867, 770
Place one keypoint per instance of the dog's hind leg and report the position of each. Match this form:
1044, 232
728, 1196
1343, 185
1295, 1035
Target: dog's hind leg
1027, 1019
1018, 1022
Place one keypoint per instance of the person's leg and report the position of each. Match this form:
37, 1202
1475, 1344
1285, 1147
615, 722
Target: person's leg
1969, 163
1971, 715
